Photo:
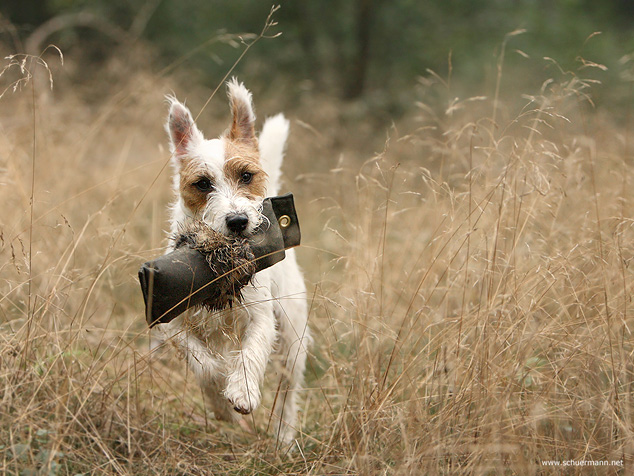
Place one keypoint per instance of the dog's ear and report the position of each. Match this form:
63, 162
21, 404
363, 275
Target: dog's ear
243, 123
181, 128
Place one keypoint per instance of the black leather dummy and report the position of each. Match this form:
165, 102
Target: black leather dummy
183, 278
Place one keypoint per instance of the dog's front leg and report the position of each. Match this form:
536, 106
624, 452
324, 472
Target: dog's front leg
246, 366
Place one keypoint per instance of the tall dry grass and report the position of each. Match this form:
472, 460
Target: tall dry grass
470, 291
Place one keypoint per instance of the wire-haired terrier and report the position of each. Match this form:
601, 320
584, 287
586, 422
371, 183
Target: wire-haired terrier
222, 182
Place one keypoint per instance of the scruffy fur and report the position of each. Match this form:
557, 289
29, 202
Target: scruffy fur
216, 181
232, 261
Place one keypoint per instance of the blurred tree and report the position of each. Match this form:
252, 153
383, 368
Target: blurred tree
26, 12
356, 47
356, 78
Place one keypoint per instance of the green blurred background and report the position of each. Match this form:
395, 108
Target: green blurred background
375, 51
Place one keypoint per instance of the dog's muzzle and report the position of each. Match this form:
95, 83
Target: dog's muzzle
190, 276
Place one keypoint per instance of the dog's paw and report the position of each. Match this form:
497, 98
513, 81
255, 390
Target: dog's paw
244, 398
242, 409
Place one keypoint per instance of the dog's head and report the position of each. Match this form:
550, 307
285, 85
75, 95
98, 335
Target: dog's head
219, 181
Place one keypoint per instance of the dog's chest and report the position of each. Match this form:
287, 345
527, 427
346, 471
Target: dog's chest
220, 330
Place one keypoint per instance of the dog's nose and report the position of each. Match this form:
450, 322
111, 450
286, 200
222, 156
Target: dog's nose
237, 222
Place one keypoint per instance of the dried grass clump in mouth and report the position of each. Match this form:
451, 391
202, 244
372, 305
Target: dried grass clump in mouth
230, 258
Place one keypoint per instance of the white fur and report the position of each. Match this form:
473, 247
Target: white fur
224, 201
272, 142
238, 92
229, 350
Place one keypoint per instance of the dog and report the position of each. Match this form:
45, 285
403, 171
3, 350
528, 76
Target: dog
222, 182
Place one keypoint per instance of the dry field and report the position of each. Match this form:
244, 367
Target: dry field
470, 286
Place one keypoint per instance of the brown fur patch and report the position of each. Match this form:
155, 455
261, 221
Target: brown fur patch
242, 128
191, 171
243, 158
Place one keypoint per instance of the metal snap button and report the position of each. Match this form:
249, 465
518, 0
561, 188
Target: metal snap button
284, 221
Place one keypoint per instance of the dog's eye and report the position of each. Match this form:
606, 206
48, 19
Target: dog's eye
246, 177
204, 185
